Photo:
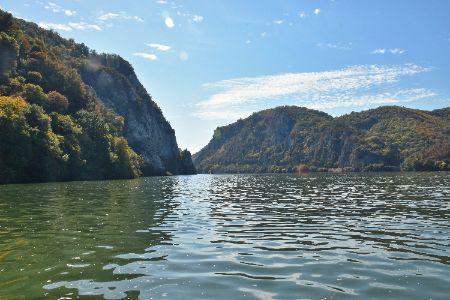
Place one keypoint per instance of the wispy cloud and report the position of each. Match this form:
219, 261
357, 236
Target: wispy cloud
189, 17
302, 14
401, 96
197, 18
147, 56
108, 16
59, 9
397, 51
392, 51
278, 22
84, 26
118, 16
353, 86
55, 26
169, 22
69, 26
159, 47
379, 51
338, 46
183, 55
317, 11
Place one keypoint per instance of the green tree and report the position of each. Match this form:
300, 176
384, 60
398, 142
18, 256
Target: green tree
15, 144
125, 162
34, 94
57, 102
34, 77
6, 21
9, 51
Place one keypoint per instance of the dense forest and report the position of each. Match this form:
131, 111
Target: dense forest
68, 113
291, 139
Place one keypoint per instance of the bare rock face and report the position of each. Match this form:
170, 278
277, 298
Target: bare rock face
147, 131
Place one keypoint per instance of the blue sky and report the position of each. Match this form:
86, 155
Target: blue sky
209, 62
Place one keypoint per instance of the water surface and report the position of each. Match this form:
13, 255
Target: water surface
333, 236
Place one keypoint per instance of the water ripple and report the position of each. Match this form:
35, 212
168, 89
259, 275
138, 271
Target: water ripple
232, 237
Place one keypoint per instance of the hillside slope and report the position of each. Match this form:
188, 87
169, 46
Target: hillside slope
68, 113
283, 138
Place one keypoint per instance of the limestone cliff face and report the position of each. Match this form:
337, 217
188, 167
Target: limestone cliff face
147, 131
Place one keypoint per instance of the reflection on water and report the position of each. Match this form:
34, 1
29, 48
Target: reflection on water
229, 237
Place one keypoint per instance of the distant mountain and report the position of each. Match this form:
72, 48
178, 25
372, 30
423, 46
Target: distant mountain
68, 113
290, 138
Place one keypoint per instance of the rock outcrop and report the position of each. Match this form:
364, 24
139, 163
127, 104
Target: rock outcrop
146, 129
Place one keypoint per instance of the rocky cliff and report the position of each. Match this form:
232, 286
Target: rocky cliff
69, 113
286, 138
146, 129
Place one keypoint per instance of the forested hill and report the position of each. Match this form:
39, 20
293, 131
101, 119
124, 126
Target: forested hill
68, 113
289, 138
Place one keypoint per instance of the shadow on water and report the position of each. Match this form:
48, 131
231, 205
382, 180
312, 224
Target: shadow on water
67, 231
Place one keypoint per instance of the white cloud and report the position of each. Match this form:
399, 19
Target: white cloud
183, 55
190, 17
197, 18
70, 26
334, 46
392, 51
159, 47
147, 56
302, 14
278, 22
84, 26
263, 34
401, 96
353, 86
161, 2
55, 26
248, 42
317, 11
397, 51
59, 9
169, 22
108, 16
379, 51
118, 16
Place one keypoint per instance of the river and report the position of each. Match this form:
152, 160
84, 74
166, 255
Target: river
314, 236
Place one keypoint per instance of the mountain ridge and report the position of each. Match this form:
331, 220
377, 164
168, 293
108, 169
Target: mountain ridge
69, 113
289, 138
